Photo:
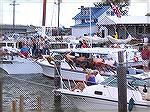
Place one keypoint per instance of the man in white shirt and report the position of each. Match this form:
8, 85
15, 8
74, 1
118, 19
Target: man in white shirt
98, 77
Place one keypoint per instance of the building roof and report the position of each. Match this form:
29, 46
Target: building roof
110, 20
95, 12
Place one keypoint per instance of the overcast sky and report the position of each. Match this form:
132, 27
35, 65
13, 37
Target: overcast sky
29, 12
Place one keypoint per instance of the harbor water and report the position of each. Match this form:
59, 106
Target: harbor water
30, 87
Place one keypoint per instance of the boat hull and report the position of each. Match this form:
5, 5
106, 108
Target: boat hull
20, 66
66, 72
88, 104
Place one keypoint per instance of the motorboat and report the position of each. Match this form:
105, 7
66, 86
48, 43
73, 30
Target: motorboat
79, 73
19, 65
12, 63
104, 96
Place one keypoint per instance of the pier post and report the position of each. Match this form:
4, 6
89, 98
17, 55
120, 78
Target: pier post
14, 106
39, 108
57, 82
21, 104
1, 89
122, 83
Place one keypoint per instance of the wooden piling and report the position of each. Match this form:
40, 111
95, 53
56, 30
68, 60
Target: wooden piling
14, 107
57, 81
39, 107
122, 83
1, 87
21, 104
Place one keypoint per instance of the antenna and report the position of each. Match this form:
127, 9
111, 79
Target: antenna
14, 5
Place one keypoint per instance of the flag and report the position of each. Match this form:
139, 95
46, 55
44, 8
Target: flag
116, 10
116, 35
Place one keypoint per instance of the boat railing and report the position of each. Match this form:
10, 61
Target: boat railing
61, 80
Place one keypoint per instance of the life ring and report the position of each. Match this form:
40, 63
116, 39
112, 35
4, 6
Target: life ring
135, 59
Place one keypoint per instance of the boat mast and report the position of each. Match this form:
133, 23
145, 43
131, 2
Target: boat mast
44, 18
58, 12
44, 12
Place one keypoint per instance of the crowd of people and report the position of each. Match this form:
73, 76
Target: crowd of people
93, 77
34, 48
89, 62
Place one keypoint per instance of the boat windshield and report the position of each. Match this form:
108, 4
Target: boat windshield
132, 82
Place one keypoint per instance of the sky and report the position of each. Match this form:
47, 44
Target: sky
29, 12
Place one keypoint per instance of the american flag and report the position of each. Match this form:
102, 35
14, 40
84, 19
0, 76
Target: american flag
116, 10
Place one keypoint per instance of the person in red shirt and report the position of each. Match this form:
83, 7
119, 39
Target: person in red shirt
84, 44
145, 56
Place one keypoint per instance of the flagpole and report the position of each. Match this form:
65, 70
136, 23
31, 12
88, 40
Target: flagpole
90, 27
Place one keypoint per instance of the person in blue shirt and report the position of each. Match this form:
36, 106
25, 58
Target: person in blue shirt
25, 51
90, 79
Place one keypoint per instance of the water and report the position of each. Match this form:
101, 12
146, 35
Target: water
31, 86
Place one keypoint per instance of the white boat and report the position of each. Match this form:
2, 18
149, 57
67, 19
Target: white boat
104, 96
79, 73
20, 66
14, 64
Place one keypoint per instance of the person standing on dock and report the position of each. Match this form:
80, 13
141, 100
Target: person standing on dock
25, 51
84, 44
146, 57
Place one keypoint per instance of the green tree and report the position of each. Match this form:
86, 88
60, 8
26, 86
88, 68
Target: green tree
122, 4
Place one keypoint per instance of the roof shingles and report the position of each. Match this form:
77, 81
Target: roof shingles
95, 13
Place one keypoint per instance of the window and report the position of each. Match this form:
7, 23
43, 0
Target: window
83, 20
2, 44
10, 44
108, 13
95, 20
98, 92
112, 13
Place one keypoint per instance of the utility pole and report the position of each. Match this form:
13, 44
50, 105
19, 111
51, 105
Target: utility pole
58, 22
14, 5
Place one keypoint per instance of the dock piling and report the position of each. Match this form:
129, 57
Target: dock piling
39, 109
57, 81
14, 104
21, 104
122, 83
1, 87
